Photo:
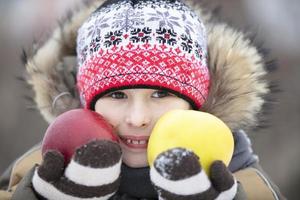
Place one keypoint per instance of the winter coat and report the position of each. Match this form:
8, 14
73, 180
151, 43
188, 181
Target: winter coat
238, 86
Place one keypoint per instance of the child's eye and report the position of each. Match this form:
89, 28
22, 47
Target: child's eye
117, 95
160, 94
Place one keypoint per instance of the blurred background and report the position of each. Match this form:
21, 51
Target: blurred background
276, 22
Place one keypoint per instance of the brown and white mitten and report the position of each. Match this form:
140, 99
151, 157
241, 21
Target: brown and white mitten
178, 175
93, 173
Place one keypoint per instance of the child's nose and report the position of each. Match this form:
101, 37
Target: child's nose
138, 115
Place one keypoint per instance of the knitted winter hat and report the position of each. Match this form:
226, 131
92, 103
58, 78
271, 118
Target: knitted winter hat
143, 44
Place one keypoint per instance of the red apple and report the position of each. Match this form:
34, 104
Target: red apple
75, 128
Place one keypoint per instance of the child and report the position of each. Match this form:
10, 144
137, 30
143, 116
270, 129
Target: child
138, 59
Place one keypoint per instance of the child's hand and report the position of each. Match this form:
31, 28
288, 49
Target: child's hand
177, 175
94, 172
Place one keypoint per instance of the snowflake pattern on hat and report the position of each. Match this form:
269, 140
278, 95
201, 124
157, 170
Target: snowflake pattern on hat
121, 44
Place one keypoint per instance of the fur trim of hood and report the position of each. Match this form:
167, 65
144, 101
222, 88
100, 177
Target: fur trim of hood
237, 70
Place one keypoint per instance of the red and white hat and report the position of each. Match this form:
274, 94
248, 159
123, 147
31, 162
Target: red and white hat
143, 44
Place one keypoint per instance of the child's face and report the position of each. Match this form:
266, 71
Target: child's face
133, 113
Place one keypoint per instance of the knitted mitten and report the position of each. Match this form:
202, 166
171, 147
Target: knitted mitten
94, 172
177, 175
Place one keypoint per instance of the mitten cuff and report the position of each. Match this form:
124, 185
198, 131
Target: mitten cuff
49, 191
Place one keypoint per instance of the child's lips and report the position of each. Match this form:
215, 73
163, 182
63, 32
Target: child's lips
135, 142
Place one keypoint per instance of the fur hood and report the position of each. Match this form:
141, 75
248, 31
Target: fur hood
237, 70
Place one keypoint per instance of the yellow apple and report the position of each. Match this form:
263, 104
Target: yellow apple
206, 135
